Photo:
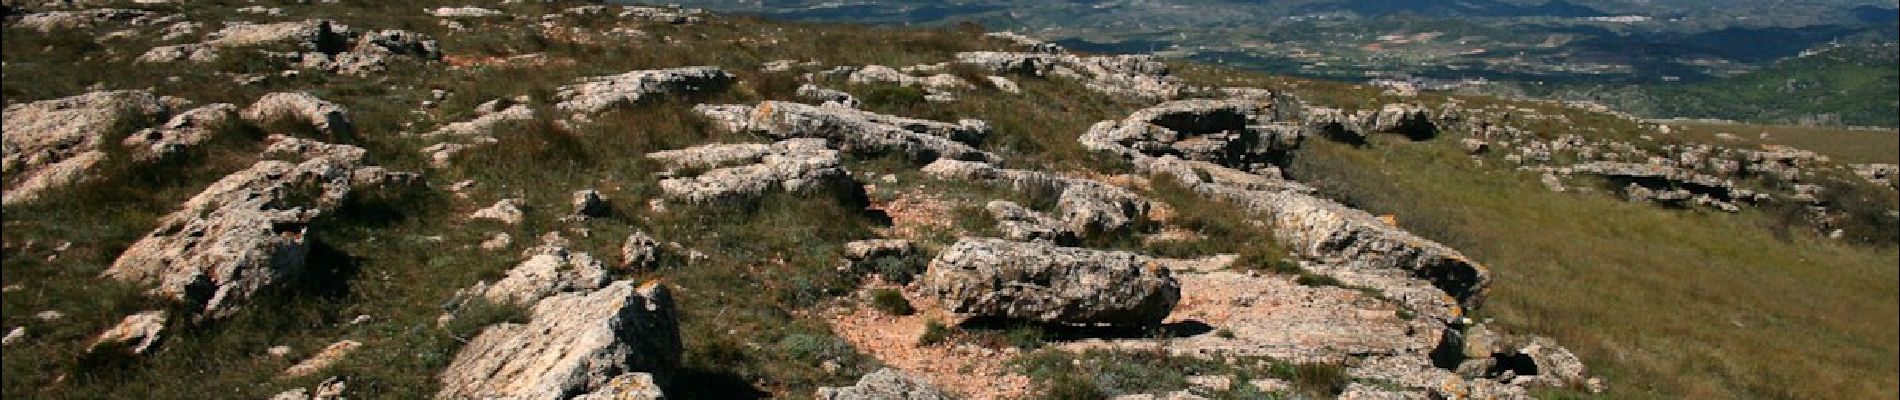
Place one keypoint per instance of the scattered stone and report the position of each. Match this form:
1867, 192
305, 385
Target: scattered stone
135, 334
1004, 84
463, 12
508, 211
855, 131
601, 93
827, 97
14, 336
885, 384
792, 166
183, 131
1137, 77
1236, 133
629, 386
550, 269
55, 143
862, 250
572, 343
486, 119
1086, 206
640, 251
329, 118
1044, 283
49, 315
46, 22
1474, 146
497, 241
278, 351
323, 359
1022, 224
1881, 174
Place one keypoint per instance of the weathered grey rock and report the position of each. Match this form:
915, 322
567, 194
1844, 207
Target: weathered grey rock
55, 143
1235, 133
1415, 377
135, 334
573, 343
330, 355
14, 336
792, 167
194, 52
855, 131
183, 131
1004, 84
630, 386
247, 231
1044, 283
640, 251
670, 14
328, 117
48, 21
463, 12
1086, 206
1022, 224
938, 83
313, 35
1880, 174
885, 384
549, 270
1137, 77
1361, 391
331, 388
601, 93
1028, 43
508, 211
827, 97
861, 250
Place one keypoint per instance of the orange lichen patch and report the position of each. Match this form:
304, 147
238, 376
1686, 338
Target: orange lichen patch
1389, 219
914, 214
971, 372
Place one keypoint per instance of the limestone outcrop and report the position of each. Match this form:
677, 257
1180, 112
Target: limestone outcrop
573, 344
997, 278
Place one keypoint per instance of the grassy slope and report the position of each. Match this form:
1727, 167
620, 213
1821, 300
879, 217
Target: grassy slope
1625, 290
1846, 146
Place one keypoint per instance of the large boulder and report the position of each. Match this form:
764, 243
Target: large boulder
573, 343
602, 93
857, 131
885, 384
979, 277
247, 231
55, 143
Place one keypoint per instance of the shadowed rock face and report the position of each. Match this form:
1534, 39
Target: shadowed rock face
1044, 283
573, 343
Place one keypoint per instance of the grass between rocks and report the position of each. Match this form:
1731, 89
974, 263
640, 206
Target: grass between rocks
1663, 303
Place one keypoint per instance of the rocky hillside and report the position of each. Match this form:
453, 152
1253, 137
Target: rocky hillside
301, 200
